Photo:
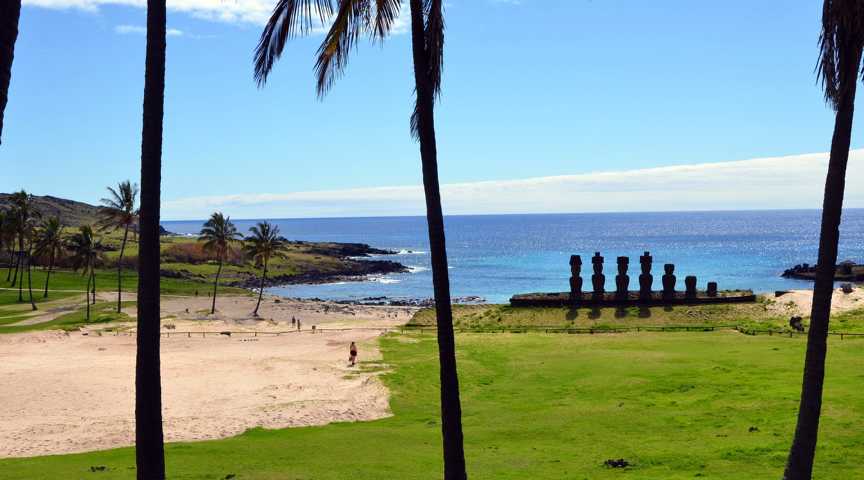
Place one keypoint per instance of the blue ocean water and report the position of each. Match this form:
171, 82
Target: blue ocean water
496, 256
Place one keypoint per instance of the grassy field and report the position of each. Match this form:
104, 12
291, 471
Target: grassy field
752, 316
674, 405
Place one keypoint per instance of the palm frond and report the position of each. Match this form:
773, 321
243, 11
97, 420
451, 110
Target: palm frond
289, 19
386, 13
353, 18
841, 41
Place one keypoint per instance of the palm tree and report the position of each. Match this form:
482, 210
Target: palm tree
264, 244
149, 440
49, 242
10, 12
119, 212
218, 234
25, 223
353, 18
7, 237
841, 44
85, 250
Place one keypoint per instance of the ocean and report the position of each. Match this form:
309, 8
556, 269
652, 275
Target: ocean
496, 256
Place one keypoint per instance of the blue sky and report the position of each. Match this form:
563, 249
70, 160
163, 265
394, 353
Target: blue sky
532, 88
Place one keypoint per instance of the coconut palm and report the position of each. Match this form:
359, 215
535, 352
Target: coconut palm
10, 13
218, 235
85, 250
353, 18
49, 242
149, 440
7, 238
118, 212
841, 44
26, 216
264, 244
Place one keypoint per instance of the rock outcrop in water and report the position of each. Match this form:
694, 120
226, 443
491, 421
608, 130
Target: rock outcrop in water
847, 271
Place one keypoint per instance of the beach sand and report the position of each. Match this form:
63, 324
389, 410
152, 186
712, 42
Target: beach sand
799, 302
74, 392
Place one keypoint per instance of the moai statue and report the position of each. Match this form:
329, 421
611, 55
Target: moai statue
712, 289
598, 280
575, 278
622, 280
669, 281
690, 285
645, 279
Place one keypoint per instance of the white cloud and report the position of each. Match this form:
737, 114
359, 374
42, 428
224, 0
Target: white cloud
141, 30
230, 11
764, 183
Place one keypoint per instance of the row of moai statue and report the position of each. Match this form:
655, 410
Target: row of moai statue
622, 280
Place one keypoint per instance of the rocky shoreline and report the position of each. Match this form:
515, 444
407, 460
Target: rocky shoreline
847, 271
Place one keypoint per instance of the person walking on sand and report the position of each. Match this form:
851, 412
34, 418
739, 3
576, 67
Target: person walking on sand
352, 353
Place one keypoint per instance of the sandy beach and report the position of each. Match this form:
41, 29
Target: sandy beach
75, 392
799, 302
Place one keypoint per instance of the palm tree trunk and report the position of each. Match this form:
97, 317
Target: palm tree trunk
10, 13
87, 294
48, 275
216, 285
93, 276
261, 290
30, 276
799, 465
120, 269
11, 261
451, 409
20, 266
149, 442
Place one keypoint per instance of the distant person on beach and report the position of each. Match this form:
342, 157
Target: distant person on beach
352, 353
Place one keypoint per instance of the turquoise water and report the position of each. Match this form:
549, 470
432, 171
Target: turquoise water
496, 256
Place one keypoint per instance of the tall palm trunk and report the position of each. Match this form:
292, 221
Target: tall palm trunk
48, 275
261, 290
11, 261
20, 267
93, 288
87, 293
216, 285
10, 13
799, 465
30, 276
451, 409
149, 442
120, 268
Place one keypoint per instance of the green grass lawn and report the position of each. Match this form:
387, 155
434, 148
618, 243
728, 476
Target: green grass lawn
675, 405
751, 316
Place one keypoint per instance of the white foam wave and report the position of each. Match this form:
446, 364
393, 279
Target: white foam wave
417, 269
410, 252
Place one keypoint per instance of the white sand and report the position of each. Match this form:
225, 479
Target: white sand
65, 393
799, 302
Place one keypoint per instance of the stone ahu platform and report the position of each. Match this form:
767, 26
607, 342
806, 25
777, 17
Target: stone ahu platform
622, 296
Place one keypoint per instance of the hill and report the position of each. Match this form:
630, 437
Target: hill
71, 212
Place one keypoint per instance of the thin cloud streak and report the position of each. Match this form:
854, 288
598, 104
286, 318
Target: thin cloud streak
764, 183
227, 11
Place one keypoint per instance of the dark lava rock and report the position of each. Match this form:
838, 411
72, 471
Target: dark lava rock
620, 463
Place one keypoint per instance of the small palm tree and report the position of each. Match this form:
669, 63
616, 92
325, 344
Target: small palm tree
49, 242
118, 212
354, 18
10, 12
218, 235
264, 244
86, 250
26, 217
7, 238
841, 45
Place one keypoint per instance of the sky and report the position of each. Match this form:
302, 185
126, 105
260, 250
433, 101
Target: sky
547, 106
